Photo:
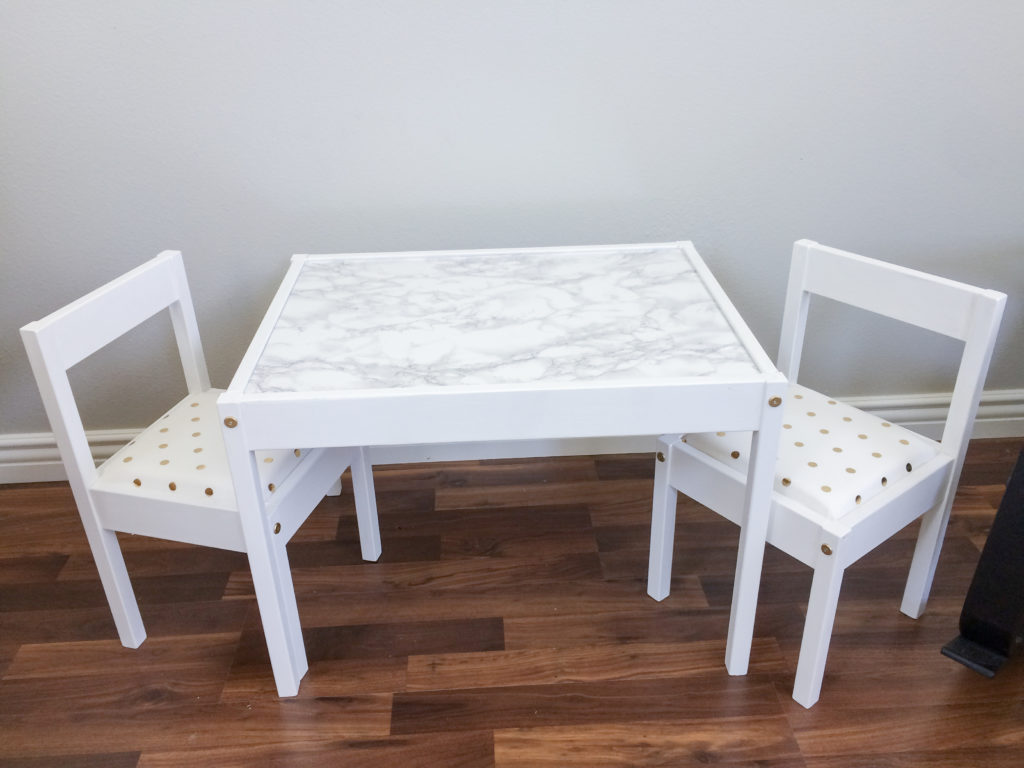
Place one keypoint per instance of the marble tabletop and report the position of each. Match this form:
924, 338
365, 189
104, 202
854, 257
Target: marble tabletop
502, 319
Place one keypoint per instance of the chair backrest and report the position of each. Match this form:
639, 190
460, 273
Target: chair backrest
71, 334
953, 309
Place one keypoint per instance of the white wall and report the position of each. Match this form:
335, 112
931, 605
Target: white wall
241, 132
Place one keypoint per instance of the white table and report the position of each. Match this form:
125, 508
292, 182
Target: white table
498, 345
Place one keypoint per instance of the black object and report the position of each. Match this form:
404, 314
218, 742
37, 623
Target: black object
992, 620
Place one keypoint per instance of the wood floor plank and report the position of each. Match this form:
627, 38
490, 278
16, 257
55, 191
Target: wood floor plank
199, 725
894, 728
586, 600
450, 750
203, 653
766, 742
539, 666
109, 760
565, 704
480, 573
546, 494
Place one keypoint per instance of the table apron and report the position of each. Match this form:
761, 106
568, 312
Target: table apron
442, 417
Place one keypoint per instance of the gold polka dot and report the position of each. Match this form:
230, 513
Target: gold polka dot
268, 460
847, 418
209, 491
910, 467
720, 434
787, 426
195, 405
735, 454
811, 414
165, 461
162, 445
298, 452
195, 418
163, 429
200, 466
831, 402
904, 442
126, 459
172, 486
197, 450
799, 397
863, 437
196, 434
271, 487
885, 481
851, 470
876, 454
786, 481
137, 481
823, 431
837, 449
826, 488
812, 463
886, 424
798, 444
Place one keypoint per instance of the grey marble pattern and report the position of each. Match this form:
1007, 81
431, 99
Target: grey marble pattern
510, 319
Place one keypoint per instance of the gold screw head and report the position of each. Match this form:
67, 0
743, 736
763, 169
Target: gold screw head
277, 527
230, 423
826, 549
661, 456
775, 402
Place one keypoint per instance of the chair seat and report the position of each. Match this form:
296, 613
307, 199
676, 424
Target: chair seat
832, 456
181, 458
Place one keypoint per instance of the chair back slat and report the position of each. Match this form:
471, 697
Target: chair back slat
951, 308
69, 335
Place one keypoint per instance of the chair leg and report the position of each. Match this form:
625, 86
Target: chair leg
268, 562
925, 560
663, 526
334, 490
106, 552
821, 614
366, 505
279, 613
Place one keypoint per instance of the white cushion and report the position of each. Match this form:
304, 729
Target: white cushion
181, 458
832, 456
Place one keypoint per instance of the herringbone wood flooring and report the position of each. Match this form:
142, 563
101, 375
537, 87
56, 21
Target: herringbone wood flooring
506, 625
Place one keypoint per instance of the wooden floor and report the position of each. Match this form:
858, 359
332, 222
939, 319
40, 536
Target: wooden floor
506, 625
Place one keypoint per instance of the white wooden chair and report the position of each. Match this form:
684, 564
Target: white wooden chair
845, 480
172, 481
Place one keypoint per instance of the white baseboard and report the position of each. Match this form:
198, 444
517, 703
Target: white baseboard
33, 457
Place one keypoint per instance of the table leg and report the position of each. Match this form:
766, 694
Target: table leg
271, 574
366, 504
753, 533
663, 524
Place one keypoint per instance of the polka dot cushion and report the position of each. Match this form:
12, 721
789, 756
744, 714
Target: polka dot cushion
832, 456
181, 458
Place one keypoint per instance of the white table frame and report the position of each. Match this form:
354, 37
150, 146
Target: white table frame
462, 414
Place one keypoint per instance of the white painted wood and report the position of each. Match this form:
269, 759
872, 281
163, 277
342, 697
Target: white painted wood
366, 504
830, 542
608, 340
663, 523
753, 533
211, 519
821, 614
